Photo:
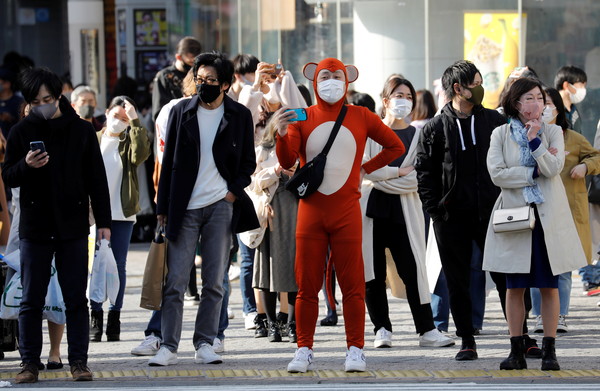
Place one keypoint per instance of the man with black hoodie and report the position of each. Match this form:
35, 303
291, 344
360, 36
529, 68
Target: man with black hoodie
54, 157
455, 186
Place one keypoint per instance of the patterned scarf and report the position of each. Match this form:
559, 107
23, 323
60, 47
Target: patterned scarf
532, 194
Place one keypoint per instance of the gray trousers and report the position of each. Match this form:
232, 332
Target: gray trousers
212, 225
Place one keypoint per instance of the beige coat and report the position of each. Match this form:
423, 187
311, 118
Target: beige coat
386, 179
511, 252
580, 151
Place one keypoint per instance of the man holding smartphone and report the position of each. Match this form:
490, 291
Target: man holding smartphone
55, 198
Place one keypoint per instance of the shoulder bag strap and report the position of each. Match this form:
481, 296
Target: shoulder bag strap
334, 131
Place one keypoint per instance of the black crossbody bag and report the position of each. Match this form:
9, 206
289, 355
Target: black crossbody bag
307, 179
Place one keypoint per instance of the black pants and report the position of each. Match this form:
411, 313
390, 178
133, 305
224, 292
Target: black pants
71, 258
387, 234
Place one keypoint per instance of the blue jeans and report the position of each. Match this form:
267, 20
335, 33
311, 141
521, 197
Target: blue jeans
246, 272
223, 317
212, 226
71, 258
590, 274
564, 295
440, 303
154, 324
120, 237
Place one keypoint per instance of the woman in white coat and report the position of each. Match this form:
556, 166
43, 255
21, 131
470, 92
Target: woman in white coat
393, 218
525, 159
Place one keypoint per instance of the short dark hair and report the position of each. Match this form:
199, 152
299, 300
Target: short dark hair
569, 74
390, 85
245, 63
517, 89
462, 72
120, 101
561, 117
424, 105
362, 99
34, 78
217, 60
189, 45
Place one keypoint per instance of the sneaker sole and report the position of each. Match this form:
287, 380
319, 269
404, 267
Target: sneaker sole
436, 344
155, 364
148, 353
351, 368
83, 378
200, 361
382, 344
299, 370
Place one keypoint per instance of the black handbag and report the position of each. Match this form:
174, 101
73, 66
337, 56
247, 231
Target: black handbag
593, 183
307, 179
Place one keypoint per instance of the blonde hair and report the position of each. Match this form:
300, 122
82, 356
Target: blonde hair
188, 86
268, 138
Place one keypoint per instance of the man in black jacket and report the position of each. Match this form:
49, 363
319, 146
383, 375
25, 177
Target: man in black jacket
207, 163
57, 183
455, 186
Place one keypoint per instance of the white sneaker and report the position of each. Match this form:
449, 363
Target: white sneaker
383, 338
249, 320
562, 324
148, 347
164, 357
433, 338
302, 361
539, 324
218, 345
206, 355
230, 313
355, 360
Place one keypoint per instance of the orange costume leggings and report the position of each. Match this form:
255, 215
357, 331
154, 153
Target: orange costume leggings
324, 225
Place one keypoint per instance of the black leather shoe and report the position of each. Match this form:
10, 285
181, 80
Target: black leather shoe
531, 348
261, 330
274, 335
467, 352
516, 358
292, 332
549, 361
329, 321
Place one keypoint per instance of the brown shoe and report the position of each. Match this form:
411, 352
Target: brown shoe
80, 371
29, 373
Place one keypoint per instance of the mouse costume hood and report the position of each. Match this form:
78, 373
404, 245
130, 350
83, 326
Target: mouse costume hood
311, 72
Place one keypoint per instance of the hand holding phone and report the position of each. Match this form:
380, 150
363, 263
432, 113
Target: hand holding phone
300, 115
37, 156
37, 145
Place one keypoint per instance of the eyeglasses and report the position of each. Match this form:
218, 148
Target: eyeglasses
208, 80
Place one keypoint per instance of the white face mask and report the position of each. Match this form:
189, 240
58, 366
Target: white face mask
272, 96
401, 108
547, 115
331, 90
579, 94
115, 125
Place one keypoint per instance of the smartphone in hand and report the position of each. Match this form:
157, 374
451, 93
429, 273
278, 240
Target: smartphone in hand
37, 145
300, 114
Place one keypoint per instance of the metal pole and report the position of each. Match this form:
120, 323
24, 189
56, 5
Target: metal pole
338, 26
239, 25
521, 34
427, 59
259, 31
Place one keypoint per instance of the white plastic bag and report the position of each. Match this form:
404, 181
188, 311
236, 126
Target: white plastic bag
13, 260
104, 280
11, 298
54, 308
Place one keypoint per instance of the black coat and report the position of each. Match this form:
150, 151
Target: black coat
435, 163
55, 198
233, 152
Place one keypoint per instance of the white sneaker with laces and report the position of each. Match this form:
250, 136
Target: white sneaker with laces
562, 324
218, 345
164, 357
302, 361
355, 360
148, 347
539, 324
433, 338
249, 320
383, 338
206, 355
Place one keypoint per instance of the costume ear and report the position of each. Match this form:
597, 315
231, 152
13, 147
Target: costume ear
352, 72
309, 70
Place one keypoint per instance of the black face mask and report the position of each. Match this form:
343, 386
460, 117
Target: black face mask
186, 67
208, 93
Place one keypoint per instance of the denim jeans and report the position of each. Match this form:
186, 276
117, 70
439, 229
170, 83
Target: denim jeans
246, 272
120, 237
212, 225
590, 274
71, 259
440, 303
564, 295
224, 317
154, 324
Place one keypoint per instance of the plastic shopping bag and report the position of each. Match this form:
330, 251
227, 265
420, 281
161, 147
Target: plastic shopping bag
13, 260
11, 298
104, 280
54, 308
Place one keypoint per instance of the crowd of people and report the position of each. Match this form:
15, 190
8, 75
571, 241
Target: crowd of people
451, 192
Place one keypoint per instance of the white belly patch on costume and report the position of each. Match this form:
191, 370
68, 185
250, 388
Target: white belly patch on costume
340, 158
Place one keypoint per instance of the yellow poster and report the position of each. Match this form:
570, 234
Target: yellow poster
492, 43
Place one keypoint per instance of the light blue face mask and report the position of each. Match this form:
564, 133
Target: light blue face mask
246, 81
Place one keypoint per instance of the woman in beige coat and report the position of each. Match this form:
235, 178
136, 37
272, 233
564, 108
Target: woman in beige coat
525, 159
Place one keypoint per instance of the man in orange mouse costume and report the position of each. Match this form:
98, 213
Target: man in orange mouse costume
330, 218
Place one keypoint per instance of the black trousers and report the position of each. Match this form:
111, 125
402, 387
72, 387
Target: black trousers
71, 258
387, 234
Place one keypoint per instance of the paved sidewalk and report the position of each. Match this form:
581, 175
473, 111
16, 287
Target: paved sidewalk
256, 361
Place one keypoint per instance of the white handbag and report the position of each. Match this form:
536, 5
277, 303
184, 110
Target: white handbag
513, 219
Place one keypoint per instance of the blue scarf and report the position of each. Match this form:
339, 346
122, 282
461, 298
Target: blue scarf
532, 194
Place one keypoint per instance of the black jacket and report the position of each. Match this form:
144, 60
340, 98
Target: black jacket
437, 150
55, 198
233, 151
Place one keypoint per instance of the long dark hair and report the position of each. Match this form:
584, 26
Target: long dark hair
561, 117
390, 85
424, 105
